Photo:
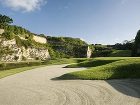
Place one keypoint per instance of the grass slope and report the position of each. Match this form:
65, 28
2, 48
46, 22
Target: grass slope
9, 72
121, 68
96, 62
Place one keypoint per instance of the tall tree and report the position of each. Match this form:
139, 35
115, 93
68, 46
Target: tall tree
136, 47
5, 20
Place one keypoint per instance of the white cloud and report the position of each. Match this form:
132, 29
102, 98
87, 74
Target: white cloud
24, 5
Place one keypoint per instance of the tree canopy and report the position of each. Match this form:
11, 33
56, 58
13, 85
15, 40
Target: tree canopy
4, 20
136, 46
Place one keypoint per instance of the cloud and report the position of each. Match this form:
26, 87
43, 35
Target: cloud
24, 5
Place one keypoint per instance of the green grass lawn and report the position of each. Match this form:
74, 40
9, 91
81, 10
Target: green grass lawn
11, 68
64, 61
5, 73
97, 62
106, 68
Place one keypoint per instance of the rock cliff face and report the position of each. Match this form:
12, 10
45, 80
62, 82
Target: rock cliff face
22, 53
32, 46
40, 39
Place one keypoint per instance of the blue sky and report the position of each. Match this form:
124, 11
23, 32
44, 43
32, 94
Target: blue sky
95, 21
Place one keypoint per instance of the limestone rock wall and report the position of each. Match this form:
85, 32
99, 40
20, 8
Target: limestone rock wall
33, 53
18, 53
40, 39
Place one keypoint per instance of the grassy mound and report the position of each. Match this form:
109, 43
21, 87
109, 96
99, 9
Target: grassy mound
65, 61
121, 53
126, 68
90, 63
96, 62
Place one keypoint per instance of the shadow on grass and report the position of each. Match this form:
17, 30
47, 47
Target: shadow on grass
92, 63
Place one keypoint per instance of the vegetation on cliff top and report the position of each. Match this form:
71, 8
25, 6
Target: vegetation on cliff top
68, 47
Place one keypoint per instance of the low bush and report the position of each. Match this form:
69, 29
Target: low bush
8, 35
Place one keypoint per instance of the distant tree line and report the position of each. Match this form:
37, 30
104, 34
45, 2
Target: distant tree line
107, 50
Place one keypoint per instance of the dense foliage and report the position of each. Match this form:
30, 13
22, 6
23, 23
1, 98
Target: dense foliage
67, 47
118, 50
102, 50
136, 46
18, 30
4, 50
5, 20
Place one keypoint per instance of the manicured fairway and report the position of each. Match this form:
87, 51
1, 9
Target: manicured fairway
106, 68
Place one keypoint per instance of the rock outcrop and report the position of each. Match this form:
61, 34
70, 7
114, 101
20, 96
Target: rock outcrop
31, 46
39, 39
21, 53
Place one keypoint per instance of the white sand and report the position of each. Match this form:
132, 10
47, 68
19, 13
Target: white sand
35, 87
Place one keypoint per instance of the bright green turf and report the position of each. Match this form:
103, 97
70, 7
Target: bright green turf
107, 68
9, 72
96, 62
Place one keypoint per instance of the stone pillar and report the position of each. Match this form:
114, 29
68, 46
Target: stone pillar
89, 52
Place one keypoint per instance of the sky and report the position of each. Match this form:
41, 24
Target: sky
95, 21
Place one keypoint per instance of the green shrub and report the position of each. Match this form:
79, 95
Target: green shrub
20, 42
103, 53
8, 35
